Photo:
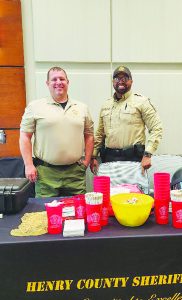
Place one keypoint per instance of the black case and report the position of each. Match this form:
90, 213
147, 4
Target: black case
14, 194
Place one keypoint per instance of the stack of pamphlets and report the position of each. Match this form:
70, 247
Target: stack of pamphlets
74, 228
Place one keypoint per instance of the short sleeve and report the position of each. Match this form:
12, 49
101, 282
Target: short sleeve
89, 124
28, 120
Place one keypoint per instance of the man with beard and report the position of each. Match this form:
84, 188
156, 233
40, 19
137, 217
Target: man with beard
122, 123
63, 131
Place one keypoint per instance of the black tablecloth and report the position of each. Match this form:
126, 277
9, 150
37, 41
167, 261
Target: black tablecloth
112, 230
116, 263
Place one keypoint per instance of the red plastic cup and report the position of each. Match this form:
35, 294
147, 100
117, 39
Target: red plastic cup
176, 213
105, 187
102, 190
161, 209
94, 212
162, 186
102, 178
161, 177
54, 215
106, 194
80, 206
162, 195
111, 212
105, 207
105, 214
161, 180
102, 184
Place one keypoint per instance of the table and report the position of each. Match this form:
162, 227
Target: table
117, 263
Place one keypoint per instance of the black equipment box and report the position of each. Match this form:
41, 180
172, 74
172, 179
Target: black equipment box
14, 194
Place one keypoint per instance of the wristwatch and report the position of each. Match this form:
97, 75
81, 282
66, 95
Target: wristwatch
147, 154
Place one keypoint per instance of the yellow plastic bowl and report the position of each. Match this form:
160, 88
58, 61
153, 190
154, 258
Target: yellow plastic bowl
132, 214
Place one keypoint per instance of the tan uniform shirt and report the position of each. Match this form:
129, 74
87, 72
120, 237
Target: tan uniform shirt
122, 123
58, 133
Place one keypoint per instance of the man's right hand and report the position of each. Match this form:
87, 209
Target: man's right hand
31, 173
94, 165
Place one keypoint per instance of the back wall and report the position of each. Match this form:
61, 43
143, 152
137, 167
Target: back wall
90, 38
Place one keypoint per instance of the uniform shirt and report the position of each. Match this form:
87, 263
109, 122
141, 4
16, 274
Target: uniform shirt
58, 133
122, 123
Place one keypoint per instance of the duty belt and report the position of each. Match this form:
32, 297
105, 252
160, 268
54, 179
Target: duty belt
39, 162
133, 152
136, 149
126, 152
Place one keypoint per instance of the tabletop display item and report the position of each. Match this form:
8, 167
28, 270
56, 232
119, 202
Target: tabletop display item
32, 224
54, 216
162, 197
176, 200
80, 207
101, 184
74, 228
68, 208
132, 209
14, 194
94, 202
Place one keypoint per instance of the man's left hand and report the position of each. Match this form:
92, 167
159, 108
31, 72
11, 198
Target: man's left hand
146, 163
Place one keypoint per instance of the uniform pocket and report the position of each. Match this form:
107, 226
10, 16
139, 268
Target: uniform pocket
81, 166
130, 115
106, 116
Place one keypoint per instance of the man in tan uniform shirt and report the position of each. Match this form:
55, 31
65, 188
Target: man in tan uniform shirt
122, 123
63, 131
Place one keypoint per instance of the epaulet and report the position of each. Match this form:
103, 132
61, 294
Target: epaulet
142, 96
138, 95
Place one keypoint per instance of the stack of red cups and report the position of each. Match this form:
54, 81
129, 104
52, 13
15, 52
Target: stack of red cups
101, 184
162, 197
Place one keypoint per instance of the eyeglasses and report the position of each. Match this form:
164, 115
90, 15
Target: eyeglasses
121, 79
